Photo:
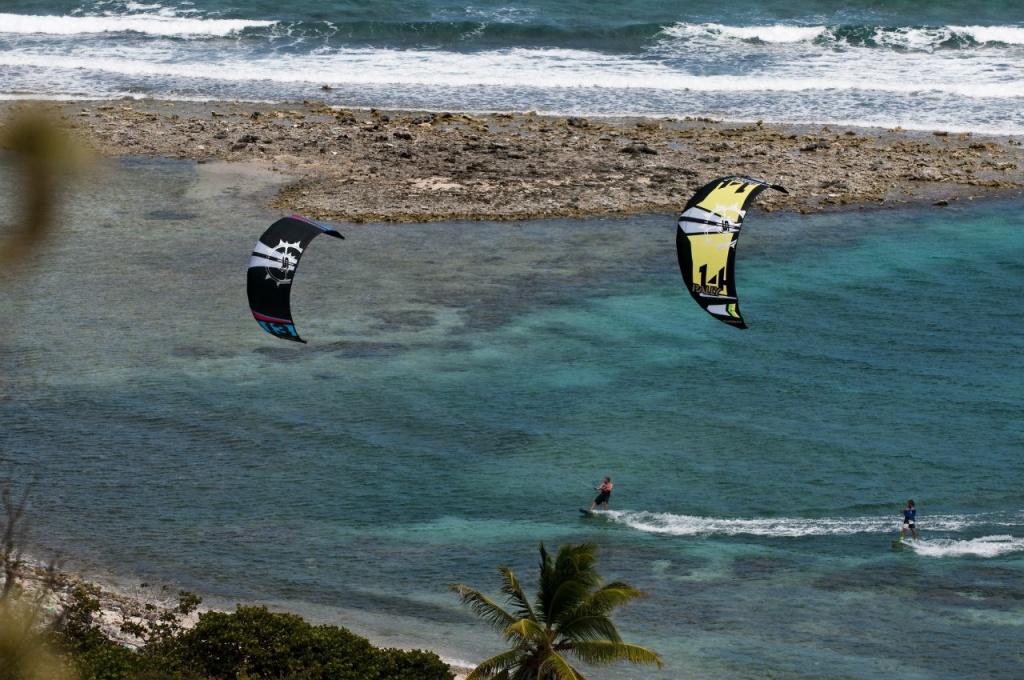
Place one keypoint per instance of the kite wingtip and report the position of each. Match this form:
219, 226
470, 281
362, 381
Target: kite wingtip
324, 227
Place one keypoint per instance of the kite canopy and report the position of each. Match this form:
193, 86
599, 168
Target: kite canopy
272, 268
709, 227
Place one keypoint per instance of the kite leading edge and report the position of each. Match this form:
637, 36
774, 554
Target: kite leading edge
272, 269
709, 228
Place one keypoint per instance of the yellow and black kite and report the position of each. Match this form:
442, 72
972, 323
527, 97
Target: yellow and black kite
709, 227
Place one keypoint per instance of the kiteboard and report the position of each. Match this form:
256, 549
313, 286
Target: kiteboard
585, 511
900, 545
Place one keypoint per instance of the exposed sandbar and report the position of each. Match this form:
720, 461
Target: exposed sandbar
400, 166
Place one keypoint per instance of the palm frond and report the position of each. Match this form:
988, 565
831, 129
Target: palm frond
518, 599
570, 616
605, 653
556, 666
589, 629
613, 596
568, 580
567, 599
578, 563
484, 607
526, 631
496, 667
573, 563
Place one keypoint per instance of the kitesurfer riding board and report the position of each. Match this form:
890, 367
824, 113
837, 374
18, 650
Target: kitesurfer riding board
604, 493
909, 520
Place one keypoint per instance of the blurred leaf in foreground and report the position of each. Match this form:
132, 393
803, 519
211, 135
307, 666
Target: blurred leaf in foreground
43, 157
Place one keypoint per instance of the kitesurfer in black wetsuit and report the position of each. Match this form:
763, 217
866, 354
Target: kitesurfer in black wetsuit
606, 493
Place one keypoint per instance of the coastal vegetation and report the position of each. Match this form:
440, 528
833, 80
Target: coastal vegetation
50, 629
251, 642
46, 637
569, 617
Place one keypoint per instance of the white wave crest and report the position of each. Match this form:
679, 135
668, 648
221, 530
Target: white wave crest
150, 24
1010, 35
778, 33
925, 38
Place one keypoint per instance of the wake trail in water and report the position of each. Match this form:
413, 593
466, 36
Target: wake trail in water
983, 546
796, 527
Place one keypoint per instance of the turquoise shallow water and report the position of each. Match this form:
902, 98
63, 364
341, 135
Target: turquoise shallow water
467, 384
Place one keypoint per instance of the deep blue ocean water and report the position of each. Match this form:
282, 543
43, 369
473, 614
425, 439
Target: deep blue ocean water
466, 385
922, 65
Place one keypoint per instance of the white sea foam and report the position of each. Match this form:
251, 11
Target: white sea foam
928, 39
913, 38
161, 24
778, 33
777, 73
1010, 35
689, 525
497, 15
458, 665
985, 546
532, 68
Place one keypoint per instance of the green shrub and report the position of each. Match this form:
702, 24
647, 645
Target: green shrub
248, 644
108, 661
94, 656
253, 642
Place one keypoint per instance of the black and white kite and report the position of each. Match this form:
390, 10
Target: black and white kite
272, 269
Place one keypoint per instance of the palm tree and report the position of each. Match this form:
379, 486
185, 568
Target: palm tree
569, 616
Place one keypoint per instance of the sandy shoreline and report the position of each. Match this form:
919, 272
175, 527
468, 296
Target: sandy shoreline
377, 166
